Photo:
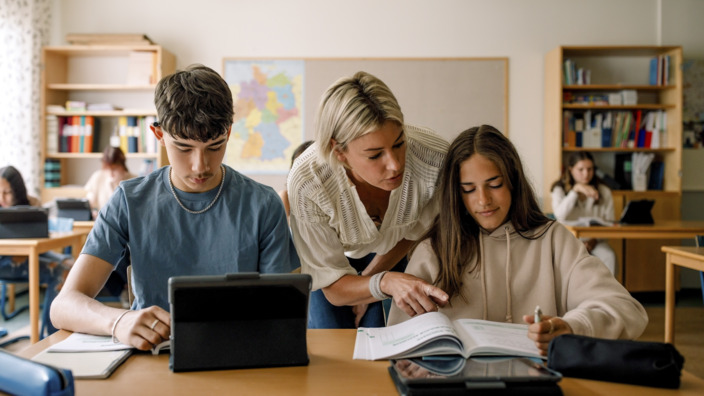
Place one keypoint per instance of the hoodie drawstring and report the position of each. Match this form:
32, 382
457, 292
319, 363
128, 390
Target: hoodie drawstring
509, 317
481, 269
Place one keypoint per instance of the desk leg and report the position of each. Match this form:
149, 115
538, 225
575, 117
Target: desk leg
669, 299
34, 295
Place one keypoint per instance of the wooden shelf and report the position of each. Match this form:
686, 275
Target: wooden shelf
101, 87
613, 69
121, 75
619, 149
617, 87
572, 106
98, 155
105, 113
100, 50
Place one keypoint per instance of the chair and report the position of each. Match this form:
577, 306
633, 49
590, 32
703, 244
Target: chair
8, 316
7, 297
9, 289
699, 241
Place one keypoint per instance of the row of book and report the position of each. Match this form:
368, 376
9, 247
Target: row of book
660, 70
627, 97
624, 129
70, 134
52, 173
573, 75
79, 134
134, 135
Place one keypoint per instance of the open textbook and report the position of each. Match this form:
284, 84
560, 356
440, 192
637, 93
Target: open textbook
434, 334
90, 356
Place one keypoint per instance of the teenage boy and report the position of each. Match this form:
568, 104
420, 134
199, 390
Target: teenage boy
194, 217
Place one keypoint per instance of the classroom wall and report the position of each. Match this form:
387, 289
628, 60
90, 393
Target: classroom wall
206, 31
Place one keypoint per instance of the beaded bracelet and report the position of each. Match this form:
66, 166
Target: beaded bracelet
375, 286
114, 326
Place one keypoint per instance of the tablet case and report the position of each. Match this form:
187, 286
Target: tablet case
638, 212
77, 209
243, 320
24, 222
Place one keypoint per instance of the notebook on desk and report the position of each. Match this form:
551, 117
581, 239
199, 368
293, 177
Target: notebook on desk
241, 320
638, 212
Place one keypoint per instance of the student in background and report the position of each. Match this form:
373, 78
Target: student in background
99, 188
358, 199
52, 265
194, 217
102, 183
297, 152
580, 193
497, 256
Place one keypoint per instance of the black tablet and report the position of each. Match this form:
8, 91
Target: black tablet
638, 212
452, 374
77, 209
24, 222
238, 321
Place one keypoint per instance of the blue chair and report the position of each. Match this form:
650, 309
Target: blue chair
7, 316
699, 241
3, 301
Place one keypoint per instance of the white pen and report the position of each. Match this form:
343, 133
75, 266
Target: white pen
538, 314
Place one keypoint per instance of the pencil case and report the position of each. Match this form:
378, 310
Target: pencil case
653, 364
20, 376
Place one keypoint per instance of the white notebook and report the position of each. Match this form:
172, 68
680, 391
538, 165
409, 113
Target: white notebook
85, 365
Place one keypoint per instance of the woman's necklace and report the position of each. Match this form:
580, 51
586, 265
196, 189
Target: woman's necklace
222, 183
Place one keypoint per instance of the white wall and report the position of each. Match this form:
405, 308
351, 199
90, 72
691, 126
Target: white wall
206, 31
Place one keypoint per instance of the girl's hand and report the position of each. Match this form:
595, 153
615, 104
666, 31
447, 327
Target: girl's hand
587, 190
544, 331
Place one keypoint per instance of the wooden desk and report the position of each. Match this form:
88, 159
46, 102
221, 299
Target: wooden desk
32, 247
331, 372
689, 257
85, 227
649, 275
660, 230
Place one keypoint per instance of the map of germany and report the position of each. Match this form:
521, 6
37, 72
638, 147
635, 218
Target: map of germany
268, 115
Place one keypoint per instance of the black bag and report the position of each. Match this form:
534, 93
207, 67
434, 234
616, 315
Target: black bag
654, 364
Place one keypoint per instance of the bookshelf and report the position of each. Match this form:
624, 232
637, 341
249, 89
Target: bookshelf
121, 76
609, 71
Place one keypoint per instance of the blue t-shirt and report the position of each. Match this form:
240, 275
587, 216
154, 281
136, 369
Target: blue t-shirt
244, 231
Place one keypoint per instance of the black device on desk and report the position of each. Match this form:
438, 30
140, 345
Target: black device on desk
240, 320
76, 208
445, 375
24, 222
638, 212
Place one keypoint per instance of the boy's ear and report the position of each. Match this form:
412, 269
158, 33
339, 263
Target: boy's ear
158, 133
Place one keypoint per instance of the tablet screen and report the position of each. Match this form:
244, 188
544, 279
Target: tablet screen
461, 370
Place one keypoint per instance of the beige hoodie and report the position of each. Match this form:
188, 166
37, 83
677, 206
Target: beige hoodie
553, 271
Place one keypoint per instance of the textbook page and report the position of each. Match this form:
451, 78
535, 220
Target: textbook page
486, 338
431, 333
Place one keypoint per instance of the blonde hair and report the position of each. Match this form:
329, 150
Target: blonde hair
350, 108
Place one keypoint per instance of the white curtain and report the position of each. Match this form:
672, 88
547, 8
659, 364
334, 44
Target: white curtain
24, 29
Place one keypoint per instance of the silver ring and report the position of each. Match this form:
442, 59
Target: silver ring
154, 324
